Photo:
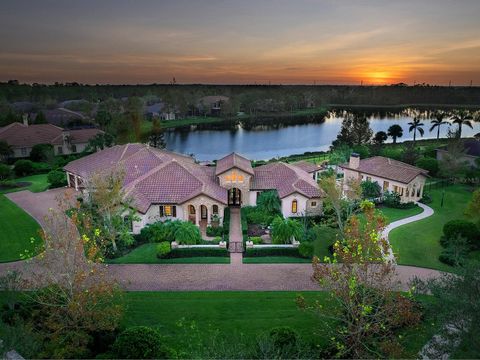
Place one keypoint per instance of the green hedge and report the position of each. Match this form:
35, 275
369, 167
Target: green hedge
256, 252
196, 252
226, 222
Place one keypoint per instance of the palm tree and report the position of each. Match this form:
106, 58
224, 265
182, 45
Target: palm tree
462, 117
395, 131
438, 122
415, 126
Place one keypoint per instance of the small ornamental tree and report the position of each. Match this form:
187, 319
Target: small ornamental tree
284, 230
187, 233
140, 342
370, 189
361, 281
269, 202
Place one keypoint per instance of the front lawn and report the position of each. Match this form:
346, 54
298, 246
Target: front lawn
240, 313
16, 230
147, 254
418, 243
393, 214
38, 183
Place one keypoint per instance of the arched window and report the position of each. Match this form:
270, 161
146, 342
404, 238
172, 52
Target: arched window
191, 210
294, 206
215, 209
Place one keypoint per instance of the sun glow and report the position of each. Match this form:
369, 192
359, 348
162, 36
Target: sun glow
378, 77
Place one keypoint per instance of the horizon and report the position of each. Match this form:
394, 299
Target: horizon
229, 43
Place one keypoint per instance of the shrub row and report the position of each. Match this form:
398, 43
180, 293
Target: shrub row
226, 222
196, 252
270, 251
214, 231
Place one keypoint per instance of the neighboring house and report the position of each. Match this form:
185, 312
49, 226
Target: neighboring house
212, 105
159, 110
22, 137
471, 156
313, 169
395, 176
166, 185
61, 117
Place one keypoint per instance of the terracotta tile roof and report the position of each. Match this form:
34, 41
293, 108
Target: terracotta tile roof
307, 166
19, 135
388, 168
286, 179
234, 160
153, 176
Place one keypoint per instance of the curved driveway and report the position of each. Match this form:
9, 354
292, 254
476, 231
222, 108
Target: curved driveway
236, 276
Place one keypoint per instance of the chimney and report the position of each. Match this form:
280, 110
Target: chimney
25, 119
354, 162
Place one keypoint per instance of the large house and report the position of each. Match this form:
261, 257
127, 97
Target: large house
165, 185
394, 176
22, 137
471, 154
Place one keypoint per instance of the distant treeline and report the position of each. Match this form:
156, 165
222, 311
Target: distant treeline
290, 96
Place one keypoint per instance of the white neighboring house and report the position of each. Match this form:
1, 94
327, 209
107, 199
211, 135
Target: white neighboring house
394, 176
166, 185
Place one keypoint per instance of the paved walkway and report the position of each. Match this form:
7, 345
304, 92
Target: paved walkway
427, 211
235, 237
293, 277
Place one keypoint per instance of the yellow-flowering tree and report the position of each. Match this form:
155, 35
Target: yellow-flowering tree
364, 307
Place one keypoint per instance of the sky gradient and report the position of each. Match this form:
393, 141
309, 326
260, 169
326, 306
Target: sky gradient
242, 41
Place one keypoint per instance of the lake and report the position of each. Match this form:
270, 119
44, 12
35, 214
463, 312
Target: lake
282, 138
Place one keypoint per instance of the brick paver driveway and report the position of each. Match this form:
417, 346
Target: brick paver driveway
235, 276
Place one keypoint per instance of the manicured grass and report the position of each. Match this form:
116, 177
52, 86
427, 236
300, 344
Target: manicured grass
16, 230
397, 214
146, 254
38, 182
241, 312
274, 260
418, 243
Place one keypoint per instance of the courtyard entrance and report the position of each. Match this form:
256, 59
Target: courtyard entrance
234, 197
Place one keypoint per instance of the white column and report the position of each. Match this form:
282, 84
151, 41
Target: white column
197, 215
76, 182
68, 179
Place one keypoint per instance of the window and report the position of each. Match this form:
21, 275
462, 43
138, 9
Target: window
294, 206
168, 210
24, 151
418, 192
234, 177
313, 204
395, 188
191, 210
215, 209
369, 178
60, 150
386, 184
74, 148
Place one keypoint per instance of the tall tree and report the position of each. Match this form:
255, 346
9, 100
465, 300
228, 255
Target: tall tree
380, 137
366, 309
355, 131
40, 118
438, 122
156, 138
462, 117
415, 126
5, 150
395, 131
135, 115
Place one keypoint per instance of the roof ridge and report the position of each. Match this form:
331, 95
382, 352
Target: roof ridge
6, 127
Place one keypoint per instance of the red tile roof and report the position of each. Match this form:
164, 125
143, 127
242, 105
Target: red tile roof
388, 168
307, 166
234, 161
286, 179
19, 135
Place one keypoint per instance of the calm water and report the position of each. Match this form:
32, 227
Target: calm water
268, 141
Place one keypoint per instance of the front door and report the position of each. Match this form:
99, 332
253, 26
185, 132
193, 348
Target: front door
234, 197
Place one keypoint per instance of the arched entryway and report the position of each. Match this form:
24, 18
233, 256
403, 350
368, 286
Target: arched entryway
234, 197
203, 212
191, 214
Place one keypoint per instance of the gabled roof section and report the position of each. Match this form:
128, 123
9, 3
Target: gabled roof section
19, 135
234, 160
286, 179
307, 166
388, 168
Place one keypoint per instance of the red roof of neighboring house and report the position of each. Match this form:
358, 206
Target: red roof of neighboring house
19, 135
286, 179
307, 166
388, 168
234, 161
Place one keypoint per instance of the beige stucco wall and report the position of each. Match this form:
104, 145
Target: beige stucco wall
405, 196
304, 206
243, 185
203, 200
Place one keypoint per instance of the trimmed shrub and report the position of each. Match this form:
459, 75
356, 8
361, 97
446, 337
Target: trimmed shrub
429, 164
42, 152
187, 233
456, 252
139, 342
256, 240
370, 189
23, 168
160, 231
57, 178
270, 251
226, 221
256, 215
196, 252
41, 168
464, 228
214, 231
305, 249
5, 172
163, 249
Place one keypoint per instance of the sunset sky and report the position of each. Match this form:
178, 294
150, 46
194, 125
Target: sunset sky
241, 41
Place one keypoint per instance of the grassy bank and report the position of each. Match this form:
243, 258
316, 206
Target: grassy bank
17, 228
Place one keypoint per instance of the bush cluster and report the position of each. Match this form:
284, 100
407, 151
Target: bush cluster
196, 252
28, 167
392, 199
57, 178
256, 215
163, 249
459, 237
183, 232
271, 251
214, 231
140, 342
305, 249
